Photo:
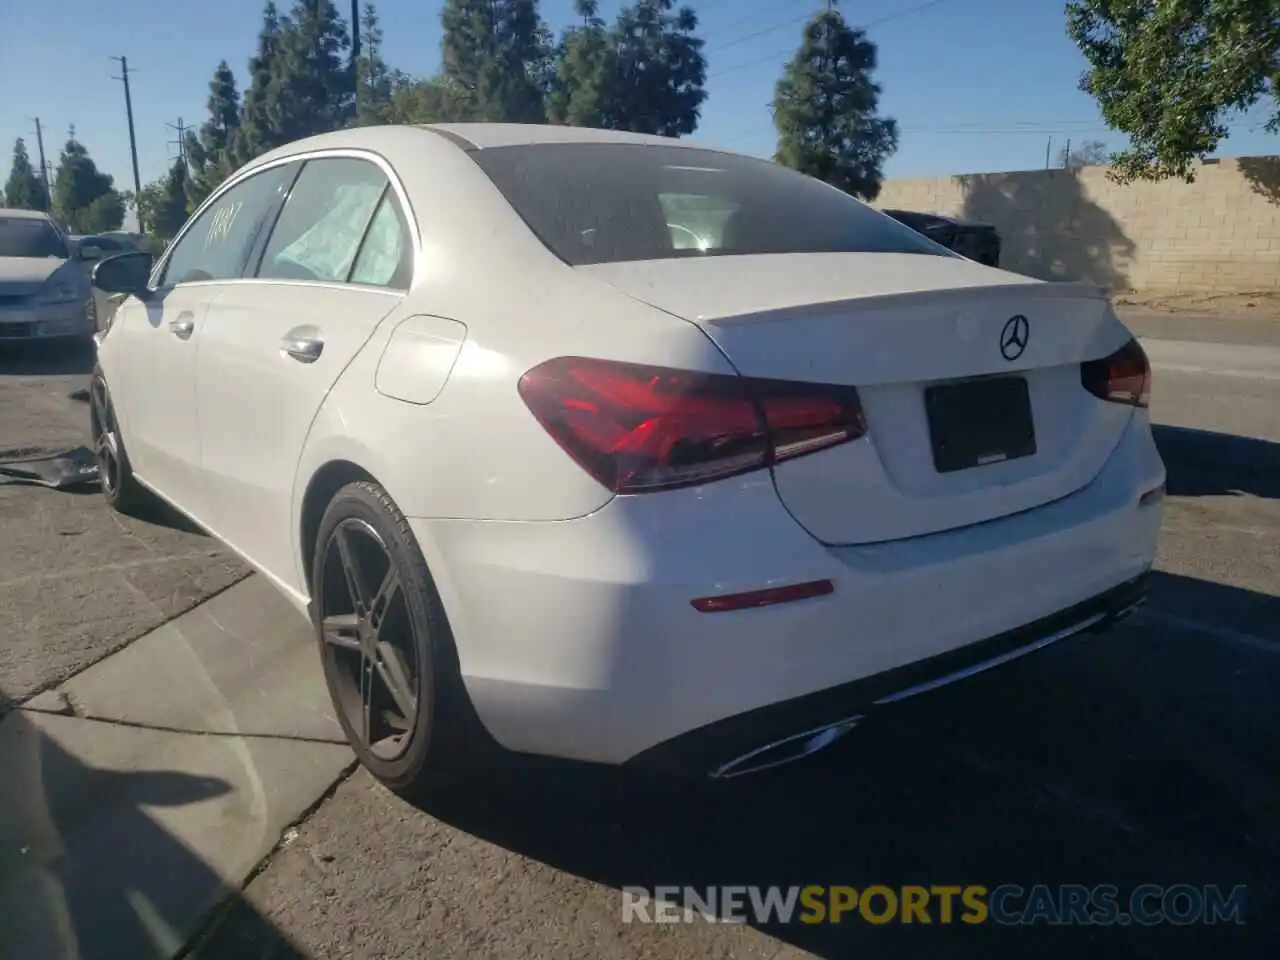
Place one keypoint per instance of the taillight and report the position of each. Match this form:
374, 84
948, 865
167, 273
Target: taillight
1123, 377
640, 428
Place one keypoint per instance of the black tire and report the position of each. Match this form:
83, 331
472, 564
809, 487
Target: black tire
119, 487
366, 645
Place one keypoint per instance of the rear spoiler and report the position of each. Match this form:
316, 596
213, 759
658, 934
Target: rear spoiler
1040, 289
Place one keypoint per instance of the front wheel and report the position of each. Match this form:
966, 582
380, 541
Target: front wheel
115, 475
386, 647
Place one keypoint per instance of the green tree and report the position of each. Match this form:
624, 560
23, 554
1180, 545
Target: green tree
162, 205
256, 133
1170, 74
576, 96
824, 109
433, 100
497, 52
24, 190
209, 151
657, 73
376, 83
645, 73
311, 79
84, 198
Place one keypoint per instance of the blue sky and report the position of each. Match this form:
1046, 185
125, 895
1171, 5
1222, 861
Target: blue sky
976, 85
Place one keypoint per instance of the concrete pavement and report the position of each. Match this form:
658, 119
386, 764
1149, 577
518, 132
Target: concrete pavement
146, 788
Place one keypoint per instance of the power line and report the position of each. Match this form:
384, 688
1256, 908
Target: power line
1010, 128
759, 33
919, 8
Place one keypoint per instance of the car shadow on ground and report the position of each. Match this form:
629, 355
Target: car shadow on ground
65, 890
1202, 463
46, 359
1143, 755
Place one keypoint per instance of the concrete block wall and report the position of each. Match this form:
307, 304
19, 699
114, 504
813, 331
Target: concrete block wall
1219, 234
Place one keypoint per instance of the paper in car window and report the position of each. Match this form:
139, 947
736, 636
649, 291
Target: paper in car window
328, 247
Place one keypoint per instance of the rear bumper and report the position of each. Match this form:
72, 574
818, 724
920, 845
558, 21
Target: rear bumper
578, 638
51, 322
729, 746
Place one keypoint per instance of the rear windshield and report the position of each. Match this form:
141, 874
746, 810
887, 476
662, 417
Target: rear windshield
32, 237
609, 202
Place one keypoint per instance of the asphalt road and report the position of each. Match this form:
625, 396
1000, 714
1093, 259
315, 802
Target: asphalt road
1148, 755
77, 581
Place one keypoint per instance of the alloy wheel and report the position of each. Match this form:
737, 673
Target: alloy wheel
369, 641
106, 436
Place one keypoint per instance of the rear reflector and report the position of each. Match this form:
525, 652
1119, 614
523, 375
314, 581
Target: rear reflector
1123, 377
641, 428
763, 598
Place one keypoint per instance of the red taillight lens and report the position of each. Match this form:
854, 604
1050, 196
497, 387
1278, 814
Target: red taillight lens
639, 428
1123, 377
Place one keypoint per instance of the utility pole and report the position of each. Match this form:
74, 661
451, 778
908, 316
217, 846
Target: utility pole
1066, 154
44, 168
133, 142
1047, 147
181, 142
355, 30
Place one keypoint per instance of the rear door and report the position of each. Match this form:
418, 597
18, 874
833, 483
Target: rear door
336, 262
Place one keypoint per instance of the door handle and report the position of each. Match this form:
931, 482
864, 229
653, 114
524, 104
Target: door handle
183, 326
302, 349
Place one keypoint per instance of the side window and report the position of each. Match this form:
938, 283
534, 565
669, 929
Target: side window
385, 259
319, 230
217, 244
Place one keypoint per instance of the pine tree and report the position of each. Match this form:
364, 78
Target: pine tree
209, 151
657, 84
162, 204
24, 190
645, 73
84, 198
825, 105
376, 83
433, 100
497, 52
311, 80
256, 132
576, 96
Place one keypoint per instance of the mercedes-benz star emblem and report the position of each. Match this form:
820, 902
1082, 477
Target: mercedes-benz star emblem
1013, 338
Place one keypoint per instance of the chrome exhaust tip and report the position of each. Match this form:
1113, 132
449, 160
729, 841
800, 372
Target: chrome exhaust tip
788, 750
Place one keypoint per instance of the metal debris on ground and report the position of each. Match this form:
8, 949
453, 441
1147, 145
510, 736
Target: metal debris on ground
69, 468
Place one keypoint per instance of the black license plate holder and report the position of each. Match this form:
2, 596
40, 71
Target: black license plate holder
974, 423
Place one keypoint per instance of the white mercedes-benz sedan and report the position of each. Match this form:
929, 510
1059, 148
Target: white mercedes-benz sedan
618, 448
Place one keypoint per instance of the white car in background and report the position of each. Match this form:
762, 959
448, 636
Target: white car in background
44, 287
545, 474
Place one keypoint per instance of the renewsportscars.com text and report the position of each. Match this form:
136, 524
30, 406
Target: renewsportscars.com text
1006, 904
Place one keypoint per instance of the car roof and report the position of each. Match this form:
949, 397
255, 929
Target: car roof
17, 214
485, 136
468, 136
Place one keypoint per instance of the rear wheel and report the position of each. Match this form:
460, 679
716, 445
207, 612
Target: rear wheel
119, 488
387, 651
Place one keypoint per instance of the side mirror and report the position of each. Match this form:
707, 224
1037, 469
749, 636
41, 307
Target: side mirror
89, 251
128, 273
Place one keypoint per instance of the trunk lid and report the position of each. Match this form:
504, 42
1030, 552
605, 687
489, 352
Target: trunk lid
950, 441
